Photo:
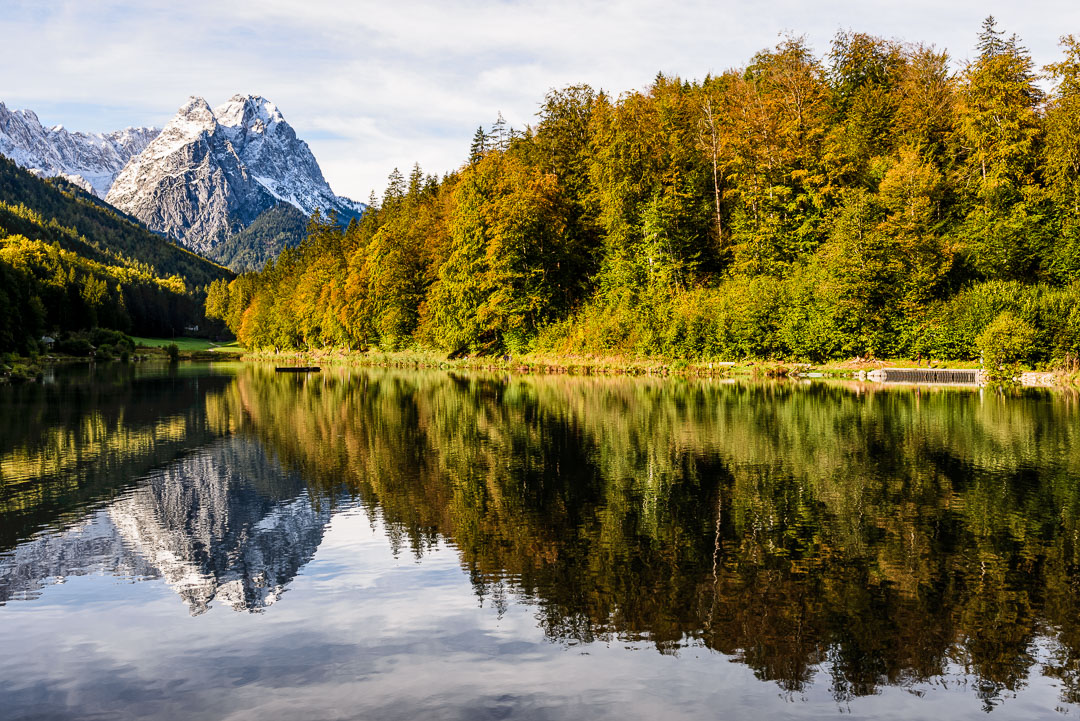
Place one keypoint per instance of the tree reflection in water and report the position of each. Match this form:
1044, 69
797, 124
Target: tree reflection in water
875, 536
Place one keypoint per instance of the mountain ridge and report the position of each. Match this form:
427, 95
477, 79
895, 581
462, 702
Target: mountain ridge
71, 264
201, 180
282, 226
90, 160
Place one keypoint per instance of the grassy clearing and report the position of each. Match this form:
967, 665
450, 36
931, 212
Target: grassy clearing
189, 345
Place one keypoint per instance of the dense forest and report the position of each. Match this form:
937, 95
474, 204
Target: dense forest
68, 262
278, 228
100, 229
880, 201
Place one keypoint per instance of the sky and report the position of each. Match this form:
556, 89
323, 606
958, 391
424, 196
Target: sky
376, 85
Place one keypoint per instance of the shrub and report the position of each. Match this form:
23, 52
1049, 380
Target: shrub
174, 352
75, 345
24, 373
1005, 342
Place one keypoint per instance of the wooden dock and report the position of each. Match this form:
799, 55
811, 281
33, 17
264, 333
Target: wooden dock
297, 369
938, 376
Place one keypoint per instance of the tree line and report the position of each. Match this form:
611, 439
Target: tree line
870, 202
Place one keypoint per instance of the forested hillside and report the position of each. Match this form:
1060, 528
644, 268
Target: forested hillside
68, 262
881, 200
281, 227
98, 227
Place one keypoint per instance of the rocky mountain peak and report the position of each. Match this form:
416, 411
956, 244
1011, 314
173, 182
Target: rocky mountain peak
194, 117
252, 113
211, 172
195, 111
26, 114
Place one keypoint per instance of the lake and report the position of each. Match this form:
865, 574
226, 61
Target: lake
222, 542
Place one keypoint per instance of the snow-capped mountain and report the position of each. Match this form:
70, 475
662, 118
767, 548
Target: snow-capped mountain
90, 160
211, 172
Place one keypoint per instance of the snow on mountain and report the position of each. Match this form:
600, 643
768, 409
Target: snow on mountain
90, 160
211, 172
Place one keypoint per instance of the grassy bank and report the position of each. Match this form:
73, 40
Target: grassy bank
530, 363
620, 365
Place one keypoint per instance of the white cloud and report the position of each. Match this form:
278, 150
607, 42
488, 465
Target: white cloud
372, 85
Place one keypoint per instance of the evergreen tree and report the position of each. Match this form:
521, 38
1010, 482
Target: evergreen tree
990, 42
500, 134
479, 145
1000, 129
416, 183
395, 189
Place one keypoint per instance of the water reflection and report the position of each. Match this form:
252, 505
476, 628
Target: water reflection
224, 524
839, 538
879, 535
87, 433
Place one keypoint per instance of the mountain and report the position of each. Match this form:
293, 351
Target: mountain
89, 160
212, 171
281, 227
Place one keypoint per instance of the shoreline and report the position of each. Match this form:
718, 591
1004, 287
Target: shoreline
586, 365
854, 369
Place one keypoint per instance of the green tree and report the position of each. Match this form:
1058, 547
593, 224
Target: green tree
501, 278
1000, 133
783, 104
480, 145
1063, 159
864, 74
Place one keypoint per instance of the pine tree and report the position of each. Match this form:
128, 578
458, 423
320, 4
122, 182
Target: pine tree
395, 188
990, 43
1000, 128
416, 183
500, 135
479, 146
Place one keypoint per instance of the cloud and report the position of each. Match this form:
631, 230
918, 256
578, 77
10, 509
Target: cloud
378, 85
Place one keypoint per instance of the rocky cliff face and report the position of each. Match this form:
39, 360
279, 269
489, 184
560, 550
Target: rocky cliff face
211, 172
90, 160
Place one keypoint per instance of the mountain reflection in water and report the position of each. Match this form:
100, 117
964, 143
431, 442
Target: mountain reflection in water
222, 524
832, 539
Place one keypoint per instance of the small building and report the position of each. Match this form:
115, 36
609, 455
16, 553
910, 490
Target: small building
48, 341
191, 328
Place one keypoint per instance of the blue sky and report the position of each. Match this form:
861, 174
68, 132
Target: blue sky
372, 86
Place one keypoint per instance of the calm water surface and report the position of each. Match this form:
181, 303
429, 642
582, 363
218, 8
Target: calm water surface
220, 542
